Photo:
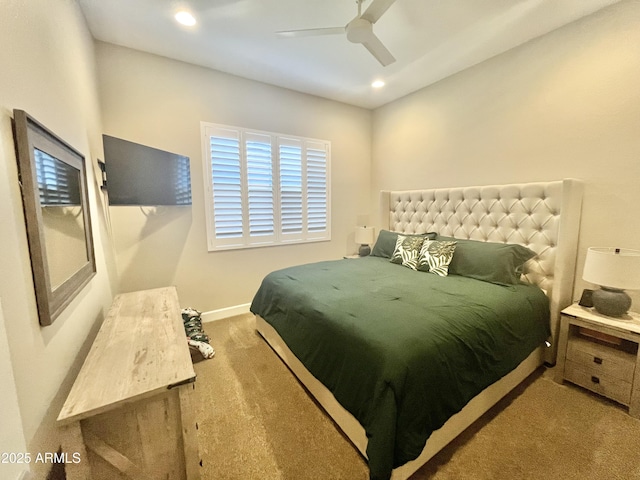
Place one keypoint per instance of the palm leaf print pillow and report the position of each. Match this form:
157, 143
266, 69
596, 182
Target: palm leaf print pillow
435, 257
407, 251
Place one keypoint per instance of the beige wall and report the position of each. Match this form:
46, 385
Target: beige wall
564, 105
12, 438
49, 72
160, 102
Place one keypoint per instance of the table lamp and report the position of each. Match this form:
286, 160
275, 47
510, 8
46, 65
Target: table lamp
364, 236
615, 270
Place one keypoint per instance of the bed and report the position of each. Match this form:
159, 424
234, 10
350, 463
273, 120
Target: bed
405, 360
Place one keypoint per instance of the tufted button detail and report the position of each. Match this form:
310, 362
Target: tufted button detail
526, 217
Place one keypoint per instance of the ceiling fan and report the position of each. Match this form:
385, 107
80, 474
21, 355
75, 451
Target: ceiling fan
358, 30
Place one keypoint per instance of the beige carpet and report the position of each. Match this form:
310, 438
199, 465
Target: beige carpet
257, 422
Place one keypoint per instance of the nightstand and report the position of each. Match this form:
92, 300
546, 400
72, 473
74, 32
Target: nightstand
600, 353
352, 256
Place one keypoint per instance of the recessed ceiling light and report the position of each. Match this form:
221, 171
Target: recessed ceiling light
377, 84
185, 18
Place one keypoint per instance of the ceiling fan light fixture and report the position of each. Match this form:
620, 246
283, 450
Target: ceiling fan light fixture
185, 18
359, 30
377, 83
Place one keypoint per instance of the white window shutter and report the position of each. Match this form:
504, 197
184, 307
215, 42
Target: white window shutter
260, 195
264, 188
57, 181
291, 198
317, 197
226, 173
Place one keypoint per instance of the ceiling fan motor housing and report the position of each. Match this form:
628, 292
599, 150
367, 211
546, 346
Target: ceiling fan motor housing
359, 30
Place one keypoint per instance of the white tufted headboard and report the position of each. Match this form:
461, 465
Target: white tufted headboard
544, 217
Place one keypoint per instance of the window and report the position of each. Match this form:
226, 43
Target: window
264, 188
58, 183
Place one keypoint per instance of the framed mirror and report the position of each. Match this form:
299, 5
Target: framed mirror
56, 210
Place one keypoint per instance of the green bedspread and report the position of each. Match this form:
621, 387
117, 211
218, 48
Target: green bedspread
401, 350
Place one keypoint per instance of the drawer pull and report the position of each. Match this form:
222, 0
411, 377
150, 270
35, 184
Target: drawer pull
595, 379
597, 360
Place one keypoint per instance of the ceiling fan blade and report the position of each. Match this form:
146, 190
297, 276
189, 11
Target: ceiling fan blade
308, 32
376, 10
378, 50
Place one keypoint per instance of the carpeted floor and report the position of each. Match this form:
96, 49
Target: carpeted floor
257, 422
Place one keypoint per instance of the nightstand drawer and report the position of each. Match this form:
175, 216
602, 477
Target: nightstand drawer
591, 379
601, 359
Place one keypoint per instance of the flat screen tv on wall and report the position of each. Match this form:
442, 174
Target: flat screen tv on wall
141, 175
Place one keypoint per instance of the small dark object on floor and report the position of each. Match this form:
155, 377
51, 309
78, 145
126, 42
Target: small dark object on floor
57, 471
198, 340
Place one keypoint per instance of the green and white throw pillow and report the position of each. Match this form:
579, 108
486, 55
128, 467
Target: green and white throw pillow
435, 257
407, 250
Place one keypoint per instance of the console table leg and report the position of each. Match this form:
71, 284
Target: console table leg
189, 435
74, 447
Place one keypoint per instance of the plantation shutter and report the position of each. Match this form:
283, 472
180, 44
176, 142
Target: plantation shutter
260, 187
58, 183
264, 188
317, 199
291, 187
182, 184
226, 177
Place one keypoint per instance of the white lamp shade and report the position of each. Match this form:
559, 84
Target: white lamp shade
613, 267
364, 235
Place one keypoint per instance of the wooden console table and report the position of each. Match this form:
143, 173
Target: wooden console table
128, 414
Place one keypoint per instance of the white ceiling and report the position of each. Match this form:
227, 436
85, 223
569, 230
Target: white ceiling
430, 39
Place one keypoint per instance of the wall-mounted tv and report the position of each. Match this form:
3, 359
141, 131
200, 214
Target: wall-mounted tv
141, 175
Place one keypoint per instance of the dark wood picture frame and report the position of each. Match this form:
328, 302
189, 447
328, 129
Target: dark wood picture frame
32, 137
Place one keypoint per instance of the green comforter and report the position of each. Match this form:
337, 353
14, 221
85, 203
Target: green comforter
401, 350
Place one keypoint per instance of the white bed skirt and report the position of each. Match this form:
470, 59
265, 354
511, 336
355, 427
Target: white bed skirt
439, 439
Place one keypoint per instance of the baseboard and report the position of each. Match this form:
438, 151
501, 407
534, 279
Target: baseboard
227, 312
